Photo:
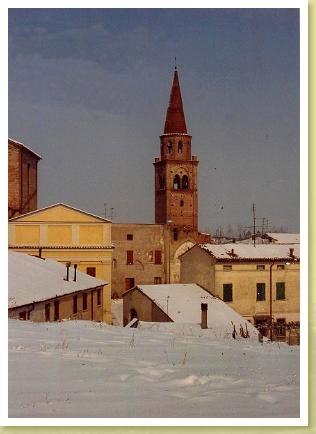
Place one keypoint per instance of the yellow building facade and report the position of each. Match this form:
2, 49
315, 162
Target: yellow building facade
258, 282
67, 235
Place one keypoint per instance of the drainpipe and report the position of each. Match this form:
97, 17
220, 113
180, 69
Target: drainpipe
67, 267
271, 299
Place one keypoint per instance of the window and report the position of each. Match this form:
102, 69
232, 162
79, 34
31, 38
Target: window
22, 315
56, 310
75, 304
129, 283
227, 292
91, 271
129, 237
99, 292
84, 301
129, 257
176, 182
169, 147
157, 280
261, 291
280, 290
181, 203
281, 327
157, 256
180, 147
280, 267
261, 267
185, 182
227, 267
175, 234
47, 312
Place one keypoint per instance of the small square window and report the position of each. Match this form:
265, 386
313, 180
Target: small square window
280, 267
157, 257
157, 280
91, 271
129, 237
280, 290
261, 267
261, 291
129, 283
227, 267
227, 292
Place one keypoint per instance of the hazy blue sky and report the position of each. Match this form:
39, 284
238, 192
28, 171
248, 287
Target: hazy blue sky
89, 88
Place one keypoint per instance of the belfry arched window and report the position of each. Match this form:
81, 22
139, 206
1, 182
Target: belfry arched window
176, 183
180, 147
185, 182
169, 147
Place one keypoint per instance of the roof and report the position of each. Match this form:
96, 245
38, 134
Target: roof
283, 238
59, 204
182, 303
32, 279
21, 145
175, 120
237, 251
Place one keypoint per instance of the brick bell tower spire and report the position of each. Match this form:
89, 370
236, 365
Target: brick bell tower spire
176, 169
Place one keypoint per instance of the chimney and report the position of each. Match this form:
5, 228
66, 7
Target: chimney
203, 315
291, 252
75, 272
67, 276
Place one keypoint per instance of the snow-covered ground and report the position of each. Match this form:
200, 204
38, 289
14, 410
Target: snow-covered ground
85, 369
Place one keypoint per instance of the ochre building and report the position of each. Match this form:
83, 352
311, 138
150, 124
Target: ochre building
67, 235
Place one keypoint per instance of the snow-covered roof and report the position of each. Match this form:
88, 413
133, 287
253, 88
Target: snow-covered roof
182, 303
284, 238
25, 147
32, 279
237, 251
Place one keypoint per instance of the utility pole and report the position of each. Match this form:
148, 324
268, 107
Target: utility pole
111, 215
104, 210
254, 224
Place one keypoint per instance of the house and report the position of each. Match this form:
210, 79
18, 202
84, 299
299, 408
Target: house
281, 238
45, 290
22, 178
245, 277
68, 235
184, 304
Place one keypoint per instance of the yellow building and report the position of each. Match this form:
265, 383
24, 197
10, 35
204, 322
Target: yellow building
67, 235
261, 283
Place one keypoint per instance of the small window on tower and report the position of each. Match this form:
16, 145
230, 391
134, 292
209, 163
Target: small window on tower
181, 203
185, 182
169, 147
175, 234
180, 147
176, 182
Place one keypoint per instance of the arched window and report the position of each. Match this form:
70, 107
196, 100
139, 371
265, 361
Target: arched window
185, 182
180, 147
169, 147
181, 203
176, 182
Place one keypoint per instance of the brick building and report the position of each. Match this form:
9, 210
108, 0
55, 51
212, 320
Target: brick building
22, 178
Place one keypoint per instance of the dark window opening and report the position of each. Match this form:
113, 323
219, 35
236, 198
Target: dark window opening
91, 271
129, 257
99, 292
133, 314
129, 237
227, 292
129, 283
180, 147
75, 304
22, 315
47, 312
176, 183
281, 327
261, 291
157, 280
261, 267
185, 182
280, 267
175, 234
181, 203
280, 290
169, 147
56, 310
84, 301
157, 256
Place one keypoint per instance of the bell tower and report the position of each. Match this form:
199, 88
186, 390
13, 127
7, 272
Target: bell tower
176, 169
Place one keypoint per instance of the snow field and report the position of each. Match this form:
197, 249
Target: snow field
86, 369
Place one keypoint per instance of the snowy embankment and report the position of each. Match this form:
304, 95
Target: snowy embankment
85, 369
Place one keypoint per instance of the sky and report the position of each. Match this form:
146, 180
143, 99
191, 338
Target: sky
89, 89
